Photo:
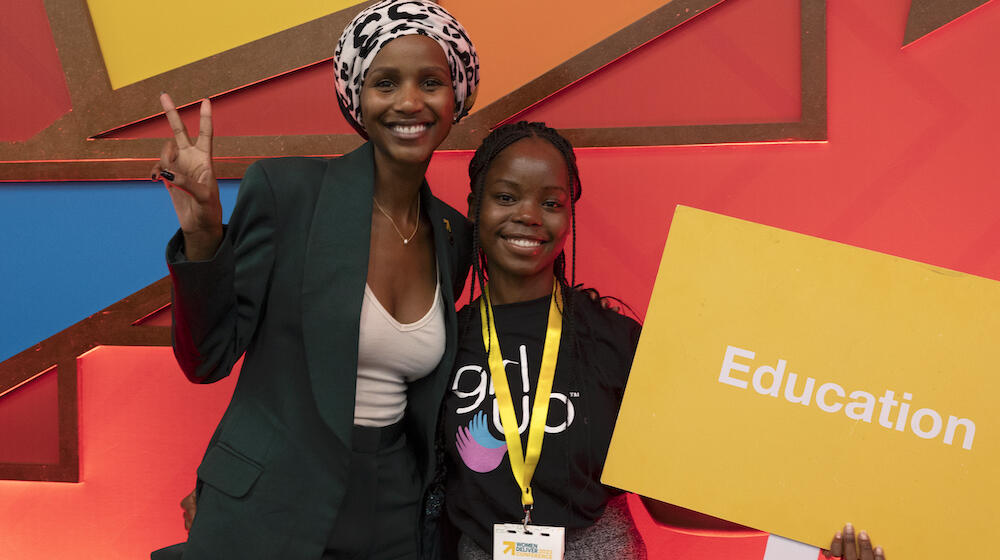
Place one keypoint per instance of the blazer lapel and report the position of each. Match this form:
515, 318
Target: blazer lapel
333, 285
424, 396
444, 242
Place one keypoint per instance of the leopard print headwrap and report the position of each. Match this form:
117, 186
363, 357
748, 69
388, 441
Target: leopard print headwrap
384, 21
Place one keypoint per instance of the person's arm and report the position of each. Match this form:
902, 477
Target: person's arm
219, 275
216, 303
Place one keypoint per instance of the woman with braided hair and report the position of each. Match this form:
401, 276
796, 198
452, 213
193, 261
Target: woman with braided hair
539, 361
524, 188
337, 279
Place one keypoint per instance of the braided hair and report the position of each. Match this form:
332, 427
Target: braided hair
497, 141
492, 146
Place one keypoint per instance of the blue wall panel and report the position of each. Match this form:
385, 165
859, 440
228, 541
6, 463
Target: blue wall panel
73, 249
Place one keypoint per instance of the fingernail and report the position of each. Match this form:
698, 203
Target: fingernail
838, 535
847, 526
152, 177
167, 175
863, 535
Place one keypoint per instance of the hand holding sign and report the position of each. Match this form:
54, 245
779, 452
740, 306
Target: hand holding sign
845, 546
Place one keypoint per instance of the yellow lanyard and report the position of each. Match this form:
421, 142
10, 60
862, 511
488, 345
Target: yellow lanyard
523, 464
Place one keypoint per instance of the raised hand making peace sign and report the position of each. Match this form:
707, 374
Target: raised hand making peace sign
186, 169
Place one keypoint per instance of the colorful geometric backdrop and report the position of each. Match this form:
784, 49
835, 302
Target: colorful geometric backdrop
879, 133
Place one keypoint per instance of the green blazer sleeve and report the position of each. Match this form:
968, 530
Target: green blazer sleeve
216, 303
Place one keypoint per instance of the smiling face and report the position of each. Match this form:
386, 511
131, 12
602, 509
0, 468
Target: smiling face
525, 216
407, 101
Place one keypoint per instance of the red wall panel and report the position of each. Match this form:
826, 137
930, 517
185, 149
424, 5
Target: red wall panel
34, 92
29, 416
736, 64
143, 428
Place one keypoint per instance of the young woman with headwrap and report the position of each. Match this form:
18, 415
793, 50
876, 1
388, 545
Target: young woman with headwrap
337, 279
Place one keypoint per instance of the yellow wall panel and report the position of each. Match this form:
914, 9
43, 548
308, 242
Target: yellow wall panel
140, 38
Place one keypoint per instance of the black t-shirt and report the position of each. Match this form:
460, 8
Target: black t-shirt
586, 394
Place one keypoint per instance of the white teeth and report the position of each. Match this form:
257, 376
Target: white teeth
409, 130
524, 242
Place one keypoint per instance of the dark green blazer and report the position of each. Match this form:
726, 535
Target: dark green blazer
286, 288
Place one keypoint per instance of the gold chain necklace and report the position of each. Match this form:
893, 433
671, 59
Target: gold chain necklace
406, 240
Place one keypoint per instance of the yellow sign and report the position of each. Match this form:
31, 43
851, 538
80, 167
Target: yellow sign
793, 384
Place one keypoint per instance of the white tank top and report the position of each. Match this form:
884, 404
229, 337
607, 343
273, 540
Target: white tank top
391, 354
